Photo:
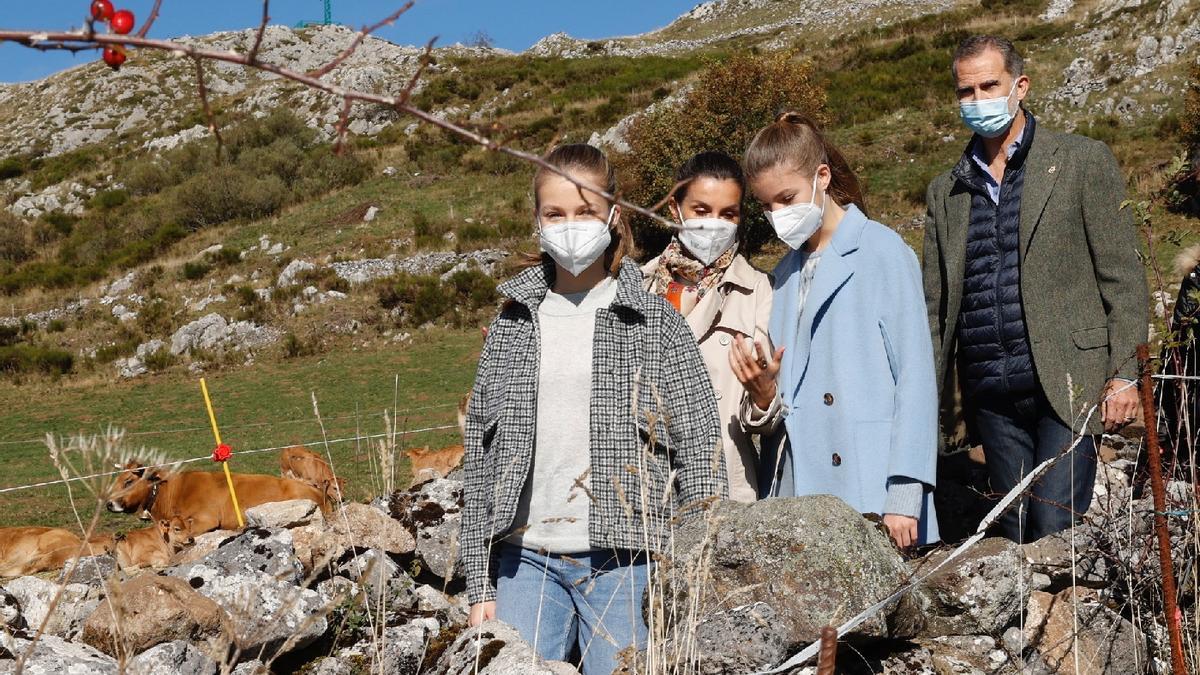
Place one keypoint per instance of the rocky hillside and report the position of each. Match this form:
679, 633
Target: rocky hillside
114, 249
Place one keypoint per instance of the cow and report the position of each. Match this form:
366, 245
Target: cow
428, 464
150, 546
306, 466
202, 496
29, 550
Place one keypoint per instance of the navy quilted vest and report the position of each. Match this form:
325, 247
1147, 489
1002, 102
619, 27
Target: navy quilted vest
993, 343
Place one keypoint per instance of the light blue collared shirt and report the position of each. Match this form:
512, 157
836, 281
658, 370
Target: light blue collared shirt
990, 182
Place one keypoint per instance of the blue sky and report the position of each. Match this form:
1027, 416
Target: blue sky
512, 24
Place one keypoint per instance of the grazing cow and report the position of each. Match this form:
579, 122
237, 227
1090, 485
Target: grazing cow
29, 550
201, 495
306, 466
150, 546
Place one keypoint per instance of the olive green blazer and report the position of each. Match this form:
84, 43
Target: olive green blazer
1083, 283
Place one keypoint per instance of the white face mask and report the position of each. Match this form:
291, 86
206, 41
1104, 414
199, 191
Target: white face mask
707, 238
797, 223
576, 244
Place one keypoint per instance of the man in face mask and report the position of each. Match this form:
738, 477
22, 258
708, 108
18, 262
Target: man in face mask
1036, 296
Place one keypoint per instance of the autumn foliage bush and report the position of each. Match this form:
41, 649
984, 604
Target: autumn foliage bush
722, 110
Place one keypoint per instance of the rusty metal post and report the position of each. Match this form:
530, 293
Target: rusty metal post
827, 657
1170, 607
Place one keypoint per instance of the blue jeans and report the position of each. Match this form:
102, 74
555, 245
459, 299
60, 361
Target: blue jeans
591, 600
1019, 433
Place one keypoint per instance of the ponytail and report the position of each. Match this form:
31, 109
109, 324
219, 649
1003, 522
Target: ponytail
797, 140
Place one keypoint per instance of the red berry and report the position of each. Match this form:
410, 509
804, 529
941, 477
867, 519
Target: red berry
122, 22
114, 56
102, 10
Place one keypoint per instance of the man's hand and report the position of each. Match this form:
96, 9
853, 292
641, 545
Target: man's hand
755, 369
1120, 404
902, 528
480, 612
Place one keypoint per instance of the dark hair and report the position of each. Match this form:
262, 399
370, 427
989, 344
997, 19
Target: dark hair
590, 162
711, 164
797, 140
975, 45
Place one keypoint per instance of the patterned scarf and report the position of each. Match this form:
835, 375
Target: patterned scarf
675, 264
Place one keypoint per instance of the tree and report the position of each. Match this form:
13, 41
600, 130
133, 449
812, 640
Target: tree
722, 110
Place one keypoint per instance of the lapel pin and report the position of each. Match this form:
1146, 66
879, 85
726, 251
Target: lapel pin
1051, 169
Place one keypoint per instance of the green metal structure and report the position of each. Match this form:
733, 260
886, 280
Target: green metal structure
328, 17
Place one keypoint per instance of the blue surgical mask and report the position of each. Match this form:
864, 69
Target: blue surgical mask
990, 117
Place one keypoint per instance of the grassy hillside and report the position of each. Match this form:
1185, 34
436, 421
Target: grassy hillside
887, 94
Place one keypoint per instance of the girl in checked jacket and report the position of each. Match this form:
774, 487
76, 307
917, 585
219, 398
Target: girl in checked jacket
592, 425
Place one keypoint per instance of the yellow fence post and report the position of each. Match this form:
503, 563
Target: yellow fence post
224, 463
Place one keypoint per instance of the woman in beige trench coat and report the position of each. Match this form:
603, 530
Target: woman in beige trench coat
723, 297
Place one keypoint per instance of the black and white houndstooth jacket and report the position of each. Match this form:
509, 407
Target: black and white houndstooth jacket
647, 467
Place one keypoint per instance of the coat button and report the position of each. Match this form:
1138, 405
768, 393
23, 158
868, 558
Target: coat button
828, 399
837, 459
718, 395
724, 339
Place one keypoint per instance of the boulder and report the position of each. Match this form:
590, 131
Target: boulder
91, 571
53, 655
150, 610
294, 269
10, 611
269, 616
332, 665
173, 658
403, 647
738, 640
257, 549
432, 513
367, 527
495, 648
371, 568
812, 560
289, 514
202, 545
1105, 643
34, 596
979, 593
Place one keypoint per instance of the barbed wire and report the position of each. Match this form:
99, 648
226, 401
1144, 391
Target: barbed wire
176, 463
180, 430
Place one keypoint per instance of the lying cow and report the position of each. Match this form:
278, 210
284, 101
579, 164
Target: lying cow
306, 466
29, 550
150, 546
428, 464
200, 495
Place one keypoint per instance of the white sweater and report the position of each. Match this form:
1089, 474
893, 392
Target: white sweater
553, 512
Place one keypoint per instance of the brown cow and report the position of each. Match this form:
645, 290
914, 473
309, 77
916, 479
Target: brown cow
429, 464
150, 546
29, 550
201, 495
306, 466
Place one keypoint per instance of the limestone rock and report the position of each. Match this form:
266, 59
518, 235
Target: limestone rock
149, 610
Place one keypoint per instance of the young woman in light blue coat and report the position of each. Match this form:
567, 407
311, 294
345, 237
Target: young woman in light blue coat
851, 384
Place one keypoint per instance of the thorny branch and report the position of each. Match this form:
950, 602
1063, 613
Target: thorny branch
88, 39
208, 111
150, 18
262, 28
362, 35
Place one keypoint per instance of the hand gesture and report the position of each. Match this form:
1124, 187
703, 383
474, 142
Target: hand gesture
756, 369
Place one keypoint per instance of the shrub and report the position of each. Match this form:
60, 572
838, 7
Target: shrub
23, 358
159, 360
15, 245
108, 199
727, 105
62, 223
1190, 123
11, 167
193, 270
226, 193
420, 296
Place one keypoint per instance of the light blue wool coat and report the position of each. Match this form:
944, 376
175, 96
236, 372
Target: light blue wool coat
857, 375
